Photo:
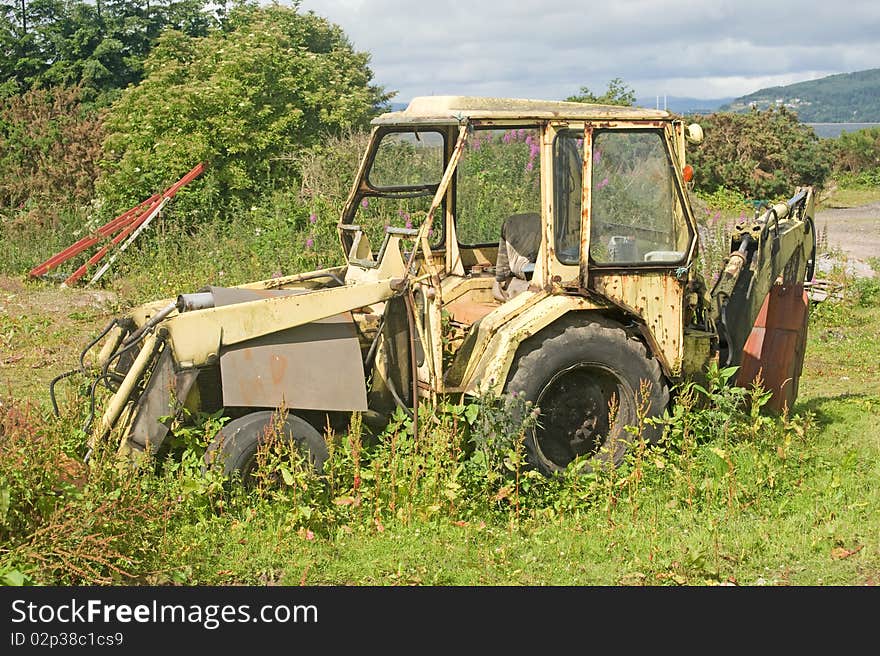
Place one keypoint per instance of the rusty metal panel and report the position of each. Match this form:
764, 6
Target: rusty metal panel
316, 366
658, 299
163, 397
775, 347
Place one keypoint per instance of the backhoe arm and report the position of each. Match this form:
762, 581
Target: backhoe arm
759, 303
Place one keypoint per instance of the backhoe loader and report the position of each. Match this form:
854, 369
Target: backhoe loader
507, 246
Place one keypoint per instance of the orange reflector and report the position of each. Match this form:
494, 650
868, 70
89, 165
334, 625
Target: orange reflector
687, 173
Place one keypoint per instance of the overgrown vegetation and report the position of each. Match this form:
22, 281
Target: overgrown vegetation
694, 510
245, 101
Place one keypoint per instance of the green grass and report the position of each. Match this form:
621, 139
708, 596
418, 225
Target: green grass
842, 198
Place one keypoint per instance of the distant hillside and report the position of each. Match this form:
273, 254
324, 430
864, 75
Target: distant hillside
847, 97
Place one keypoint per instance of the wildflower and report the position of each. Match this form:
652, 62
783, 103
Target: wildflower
521, 133
530, 165
602, 184
310, 242
506, 138
365, 202
310, 534
597, 155
408, 224
313, 218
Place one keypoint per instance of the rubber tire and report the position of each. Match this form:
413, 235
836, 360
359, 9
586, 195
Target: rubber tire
235, 446
597, 354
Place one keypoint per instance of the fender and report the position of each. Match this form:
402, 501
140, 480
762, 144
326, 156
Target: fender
489, 373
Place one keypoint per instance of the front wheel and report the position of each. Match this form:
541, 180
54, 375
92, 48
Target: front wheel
587, 383
234, 448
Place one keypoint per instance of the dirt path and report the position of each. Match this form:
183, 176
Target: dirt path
854, 231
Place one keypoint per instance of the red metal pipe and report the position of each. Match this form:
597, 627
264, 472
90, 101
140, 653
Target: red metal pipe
133, 225
86, 242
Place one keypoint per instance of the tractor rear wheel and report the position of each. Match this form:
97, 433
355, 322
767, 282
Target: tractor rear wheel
234, 448
574, 378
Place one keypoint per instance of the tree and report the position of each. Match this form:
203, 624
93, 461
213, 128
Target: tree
244, 99
102, 45
618, 93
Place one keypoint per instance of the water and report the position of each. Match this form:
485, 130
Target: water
826, 130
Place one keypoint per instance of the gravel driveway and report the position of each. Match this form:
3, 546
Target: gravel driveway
855, 231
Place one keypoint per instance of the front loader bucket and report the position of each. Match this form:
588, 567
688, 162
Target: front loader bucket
775, 348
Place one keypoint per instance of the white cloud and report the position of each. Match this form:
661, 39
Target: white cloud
704, 49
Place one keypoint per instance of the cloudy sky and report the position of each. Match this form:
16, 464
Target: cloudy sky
549, 49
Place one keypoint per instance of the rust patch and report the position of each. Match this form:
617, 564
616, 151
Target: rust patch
774, 350
277, 367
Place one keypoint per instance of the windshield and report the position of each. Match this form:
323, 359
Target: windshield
401, 180
407, 160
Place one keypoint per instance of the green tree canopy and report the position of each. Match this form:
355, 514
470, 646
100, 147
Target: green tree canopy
244, 100
99, 46
617, 93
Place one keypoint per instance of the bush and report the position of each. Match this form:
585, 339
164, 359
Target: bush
857, 152
762, 154
50, 147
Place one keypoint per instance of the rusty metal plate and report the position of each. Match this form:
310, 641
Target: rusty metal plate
775, 347
317, 366
163, 397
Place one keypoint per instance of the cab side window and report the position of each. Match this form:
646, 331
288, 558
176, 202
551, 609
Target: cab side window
498, 176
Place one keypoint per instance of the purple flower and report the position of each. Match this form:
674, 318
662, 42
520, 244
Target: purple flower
530, 165
507, 137
365, 202
521, 133
313, 218
408, 224
310, 242
597, 155
602, 184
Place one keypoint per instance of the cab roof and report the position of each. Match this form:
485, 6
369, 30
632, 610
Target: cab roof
452, 109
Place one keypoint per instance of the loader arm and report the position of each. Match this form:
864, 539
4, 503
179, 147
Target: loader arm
758, 302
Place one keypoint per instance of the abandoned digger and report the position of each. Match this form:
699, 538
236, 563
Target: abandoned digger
491, 245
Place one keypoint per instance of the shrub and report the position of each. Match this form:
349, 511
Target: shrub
857, 152
762, 154
49, 150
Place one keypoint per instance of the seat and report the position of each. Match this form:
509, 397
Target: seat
517, 253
